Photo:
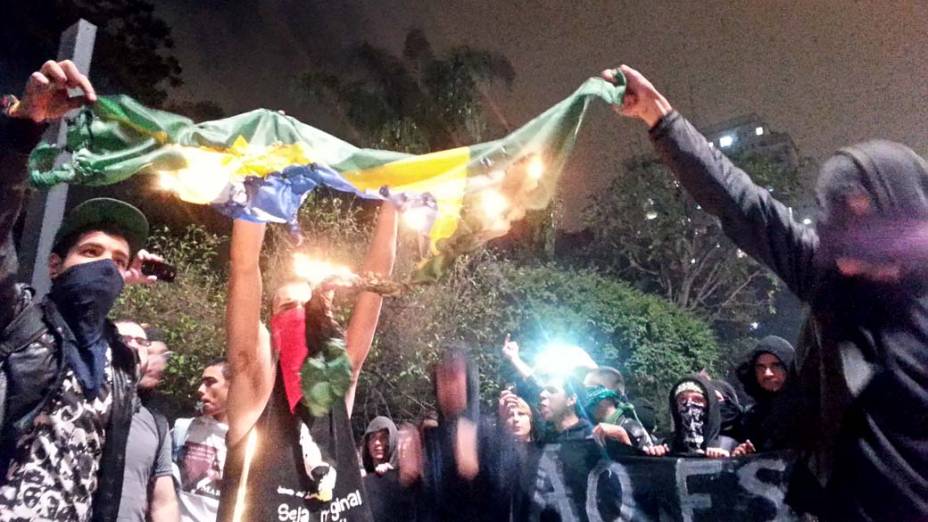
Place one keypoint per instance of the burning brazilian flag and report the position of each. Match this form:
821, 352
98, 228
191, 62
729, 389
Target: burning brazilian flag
261, 165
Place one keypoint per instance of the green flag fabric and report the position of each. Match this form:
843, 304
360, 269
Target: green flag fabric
262, 164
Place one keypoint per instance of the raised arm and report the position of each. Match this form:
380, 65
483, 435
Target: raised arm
366, 313
750, 216
512, 354
247, 342
45, 99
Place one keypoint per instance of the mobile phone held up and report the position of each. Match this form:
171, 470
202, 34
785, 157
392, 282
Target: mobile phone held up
163, 271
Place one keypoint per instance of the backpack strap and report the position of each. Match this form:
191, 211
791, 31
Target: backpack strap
179, 437
164, 431
179, 434
161, 423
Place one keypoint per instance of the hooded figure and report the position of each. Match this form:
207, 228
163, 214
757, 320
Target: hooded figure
389, 499
730, 409
697, 422
862, 360
390, 454
448, 495
764, 421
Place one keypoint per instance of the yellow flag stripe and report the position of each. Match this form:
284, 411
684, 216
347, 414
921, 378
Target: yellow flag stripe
442, 174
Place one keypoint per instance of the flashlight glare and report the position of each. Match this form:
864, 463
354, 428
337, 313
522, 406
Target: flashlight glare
561, 359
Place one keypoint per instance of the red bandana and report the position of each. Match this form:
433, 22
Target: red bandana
288, 336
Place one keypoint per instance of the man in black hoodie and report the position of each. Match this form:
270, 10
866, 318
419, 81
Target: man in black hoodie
863, 359
765, 372
697, 422
388, 497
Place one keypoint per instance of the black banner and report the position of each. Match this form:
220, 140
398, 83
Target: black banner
577, 481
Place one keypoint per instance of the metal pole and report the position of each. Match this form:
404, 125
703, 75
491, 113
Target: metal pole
46, 209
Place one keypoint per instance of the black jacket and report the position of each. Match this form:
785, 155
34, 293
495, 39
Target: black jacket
863, 356
712, 422
766, 421
33, 371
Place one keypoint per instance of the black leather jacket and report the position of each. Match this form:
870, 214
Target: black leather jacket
34, 369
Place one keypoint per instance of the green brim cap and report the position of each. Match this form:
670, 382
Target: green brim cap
107, 212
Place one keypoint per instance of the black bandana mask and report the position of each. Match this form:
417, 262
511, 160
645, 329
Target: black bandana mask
84, 295
692, 420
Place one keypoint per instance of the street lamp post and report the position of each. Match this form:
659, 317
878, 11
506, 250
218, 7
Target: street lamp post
45, 209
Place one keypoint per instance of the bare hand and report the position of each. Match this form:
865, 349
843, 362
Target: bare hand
153, 370
604, 431
382, 468
745, 448
134, 275
510, 349
451, 386
717, 453
641, 99
409, 447
658, 450
46, 95
465, 449
508, 403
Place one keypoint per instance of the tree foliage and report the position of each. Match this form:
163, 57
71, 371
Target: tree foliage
483, 297
417, 102
486, 297
648, 231
132, 51
190, 311
198, 111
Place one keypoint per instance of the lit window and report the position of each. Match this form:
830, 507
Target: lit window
726, 141
759, 131
807, 221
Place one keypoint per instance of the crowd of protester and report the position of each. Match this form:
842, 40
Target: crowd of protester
82, 439
573, 404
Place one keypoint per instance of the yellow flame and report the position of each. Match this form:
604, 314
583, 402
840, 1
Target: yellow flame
536, 168
493, 204
251, 445
202, 180
315, 271
166, 182
417, 219
208, 172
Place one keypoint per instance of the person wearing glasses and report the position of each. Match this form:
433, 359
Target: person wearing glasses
148, 487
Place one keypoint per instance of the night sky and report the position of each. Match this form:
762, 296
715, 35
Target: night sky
829, 73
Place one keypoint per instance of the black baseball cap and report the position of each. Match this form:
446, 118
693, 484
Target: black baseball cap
106, 212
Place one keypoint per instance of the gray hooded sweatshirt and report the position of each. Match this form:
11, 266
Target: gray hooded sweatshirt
862, 390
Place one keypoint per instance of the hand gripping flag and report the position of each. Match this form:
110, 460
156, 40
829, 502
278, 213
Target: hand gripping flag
261, 165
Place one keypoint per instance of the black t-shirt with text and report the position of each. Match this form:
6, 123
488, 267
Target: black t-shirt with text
278, 486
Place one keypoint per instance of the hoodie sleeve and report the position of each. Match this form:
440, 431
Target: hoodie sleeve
17, 138
760, 225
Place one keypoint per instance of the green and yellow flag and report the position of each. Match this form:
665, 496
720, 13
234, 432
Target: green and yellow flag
262, 164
